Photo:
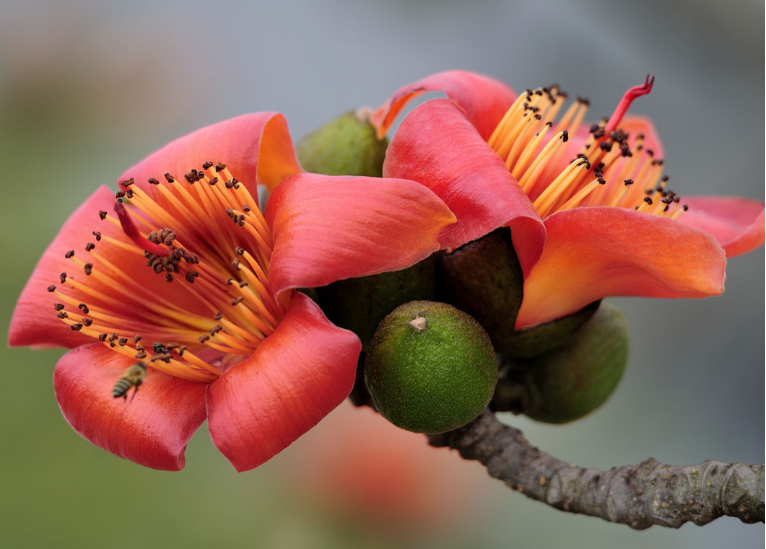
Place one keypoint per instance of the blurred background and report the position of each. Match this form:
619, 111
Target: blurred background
89, 87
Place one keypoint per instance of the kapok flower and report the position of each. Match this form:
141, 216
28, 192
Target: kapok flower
589, 210
183, 287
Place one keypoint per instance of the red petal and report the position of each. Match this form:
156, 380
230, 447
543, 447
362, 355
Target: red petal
598, 252
737, 224
151, 429
484, 99
297, 376
245, 144
331, 228
437, 146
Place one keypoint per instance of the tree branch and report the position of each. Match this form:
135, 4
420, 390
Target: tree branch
637, 495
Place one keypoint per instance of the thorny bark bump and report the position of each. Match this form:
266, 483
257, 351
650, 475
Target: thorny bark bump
637, 495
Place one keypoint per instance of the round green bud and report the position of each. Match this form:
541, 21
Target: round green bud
430, 368
579, 376
346, 145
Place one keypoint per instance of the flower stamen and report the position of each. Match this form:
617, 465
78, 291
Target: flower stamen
218, 308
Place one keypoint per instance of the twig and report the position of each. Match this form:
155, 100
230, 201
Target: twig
637, 495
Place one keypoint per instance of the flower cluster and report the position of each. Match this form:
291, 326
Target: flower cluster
183, 286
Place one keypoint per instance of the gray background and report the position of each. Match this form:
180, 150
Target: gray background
87, 88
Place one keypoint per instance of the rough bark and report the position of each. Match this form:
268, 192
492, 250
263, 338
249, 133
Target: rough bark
640, 496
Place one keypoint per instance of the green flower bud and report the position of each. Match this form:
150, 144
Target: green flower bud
572, 380
344, 146
430, 368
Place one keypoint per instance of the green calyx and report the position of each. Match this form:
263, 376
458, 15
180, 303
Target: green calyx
484, 279
574, 379
430, 368
359, 304
346, 145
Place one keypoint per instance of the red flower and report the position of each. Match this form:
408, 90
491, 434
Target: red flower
589, 213
191, 282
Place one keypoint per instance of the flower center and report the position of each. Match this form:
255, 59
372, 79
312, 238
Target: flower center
214, 250
606, 171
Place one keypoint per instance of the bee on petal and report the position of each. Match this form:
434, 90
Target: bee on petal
133, 377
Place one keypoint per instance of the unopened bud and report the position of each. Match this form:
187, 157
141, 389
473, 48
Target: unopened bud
346, 145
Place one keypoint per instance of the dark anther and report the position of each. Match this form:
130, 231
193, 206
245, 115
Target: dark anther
229, 212
217, 328
69, 254
190, 276
58, 306
538, 117
229, 281
665, 178
606, 146
136, 339
666, 208
153, 181
119, 194
207, 165
191, 176
97, 235
203, 338
84, 308
169, 178
650, 152
241, 220
242, 284
114, 336
129, 193
218, 315
168, 277
648, 200
649, 192
88, 268
123, 341
584, 100
600, 166
237, 300
235, 183
549, 124
235, 263
89, 246
246, 208
87, 321
220, 166
628, 182
229, 184
76, 327
172, 345
625, 150
62, 276
140, 355
565, 136
51, 288
685, 207
239, 250
181, 350
102, 337
102, 214
62, 314
128, 182
213, 181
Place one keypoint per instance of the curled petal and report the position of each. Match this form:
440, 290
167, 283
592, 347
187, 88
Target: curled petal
593, 253
256, 148
297, 376
331, 228
437, 146
484, 99
737, 224
150, 429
